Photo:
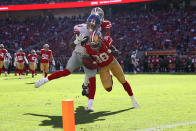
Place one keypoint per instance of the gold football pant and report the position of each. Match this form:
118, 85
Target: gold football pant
116, 70
32, 66
44, 67
1, 64
20, 66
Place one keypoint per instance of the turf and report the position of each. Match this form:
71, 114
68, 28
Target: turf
164, 100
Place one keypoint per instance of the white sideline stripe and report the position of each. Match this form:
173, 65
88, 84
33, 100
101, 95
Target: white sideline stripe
168, 126
7, 124
46, 129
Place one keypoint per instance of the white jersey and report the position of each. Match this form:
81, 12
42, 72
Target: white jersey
81, 29
133, 58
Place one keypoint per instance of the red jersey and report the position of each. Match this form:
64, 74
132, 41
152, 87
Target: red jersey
45, 55
153, 60
102, 57
20, 57
105, 26
32, 58
170, 60
3, 54
157, 60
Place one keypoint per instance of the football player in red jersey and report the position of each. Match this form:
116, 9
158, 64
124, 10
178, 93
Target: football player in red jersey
3, 54
33, 61
20, 59
105, 29
46, 56
100, 51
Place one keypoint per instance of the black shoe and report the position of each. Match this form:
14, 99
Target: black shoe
85, 90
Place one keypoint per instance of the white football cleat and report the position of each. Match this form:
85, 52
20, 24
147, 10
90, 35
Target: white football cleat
41, 82
89, 109
134, 102
20, 76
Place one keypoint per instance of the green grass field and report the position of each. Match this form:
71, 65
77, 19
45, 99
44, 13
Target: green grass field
167, 102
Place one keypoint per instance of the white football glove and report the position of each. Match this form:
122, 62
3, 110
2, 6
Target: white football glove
79, 39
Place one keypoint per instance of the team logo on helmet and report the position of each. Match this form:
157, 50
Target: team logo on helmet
95, 40
93, 22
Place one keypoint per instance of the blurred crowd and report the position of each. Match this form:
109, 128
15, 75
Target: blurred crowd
131, 31
24, 2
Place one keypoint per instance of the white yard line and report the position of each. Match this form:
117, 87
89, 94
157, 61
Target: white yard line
46, 129
168, 126
6, 124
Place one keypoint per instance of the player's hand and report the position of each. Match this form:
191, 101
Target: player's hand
115, 53
80, 39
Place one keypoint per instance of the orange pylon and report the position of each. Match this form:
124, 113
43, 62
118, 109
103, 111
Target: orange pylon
68, 115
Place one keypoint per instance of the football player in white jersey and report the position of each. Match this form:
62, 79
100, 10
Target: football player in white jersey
81, 34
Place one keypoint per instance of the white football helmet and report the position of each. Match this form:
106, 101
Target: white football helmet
95, 40
99, 11
1, 46
46, 46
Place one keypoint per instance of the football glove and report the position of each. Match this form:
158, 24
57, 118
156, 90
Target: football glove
113, 51
79, 39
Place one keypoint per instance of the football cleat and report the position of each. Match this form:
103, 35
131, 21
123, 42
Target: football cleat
134, 102
20, 76
41, 82
89, 109
85, 90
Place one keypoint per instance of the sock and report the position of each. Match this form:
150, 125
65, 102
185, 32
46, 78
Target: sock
90, 103
21, 72
127, 88
32, 72
45, 75
59, 74
15, 71
5, 70
92, 87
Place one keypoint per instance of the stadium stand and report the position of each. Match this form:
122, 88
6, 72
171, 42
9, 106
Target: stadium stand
162, 30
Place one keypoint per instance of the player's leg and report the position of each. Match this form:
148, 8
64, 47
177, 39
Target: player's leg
20, 69
32, 68
1, 66
91, 77
16, 68
6, 65
72, 64
85, 85
46, 69
106, 78
42, 68
118, 73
